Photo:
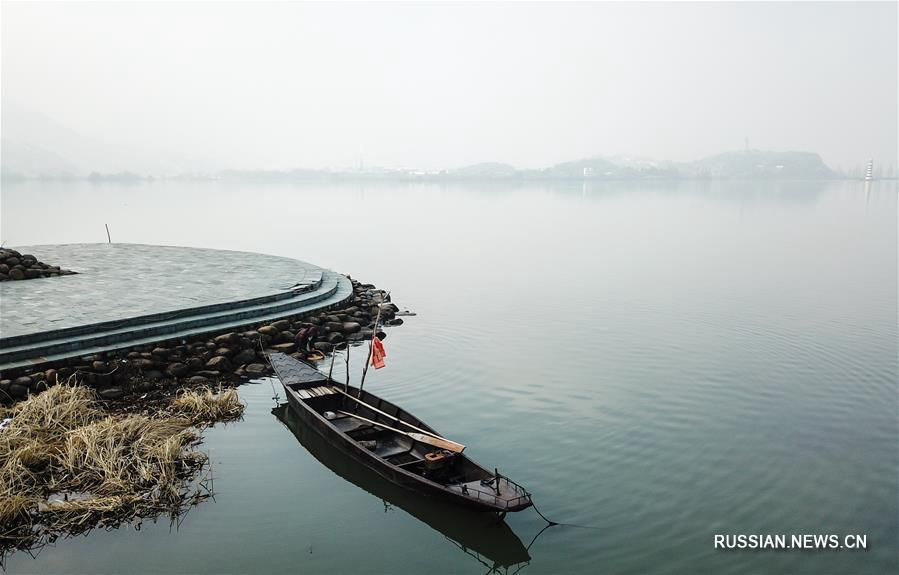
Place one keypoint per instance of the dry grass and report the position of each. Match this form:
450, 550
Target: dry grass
204, 406
122, 466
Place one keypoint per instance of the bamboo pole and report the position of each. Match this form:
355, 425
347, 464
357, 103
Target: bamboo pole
346, 386
370, 342
442, 443
384, 413
331, 369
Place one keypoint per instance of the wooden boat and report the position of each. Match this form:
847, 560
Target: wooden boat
480, 535
392, 442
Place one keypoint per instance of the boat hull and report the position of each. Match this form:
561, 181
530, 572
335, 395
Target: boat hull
409, 481
473, 532
304, 385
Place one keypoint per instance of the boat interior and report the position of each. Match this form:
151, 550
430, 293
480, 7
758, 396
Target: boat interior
366, 423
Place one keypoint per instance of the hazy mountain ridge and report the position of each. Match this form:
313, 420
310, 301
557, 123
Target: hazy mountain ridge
27, 160
745, 164
35, 146
758, 164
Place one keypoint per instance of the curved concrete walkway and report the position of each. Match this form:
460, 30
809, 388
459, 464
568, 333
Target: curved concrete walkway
132, 294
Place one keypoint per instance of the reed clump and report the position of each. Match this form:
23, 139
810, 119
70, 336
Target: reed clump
67, 465
203, 406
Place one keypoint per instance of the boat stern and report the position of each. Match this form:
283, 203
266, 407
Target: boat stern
497, 493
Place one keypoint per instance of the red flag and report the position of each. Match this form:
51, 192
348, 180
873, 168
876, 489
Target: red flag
377, 353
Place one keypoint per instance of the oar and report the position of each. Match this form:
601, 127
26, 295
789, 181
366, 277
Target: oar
441, 443
375, 409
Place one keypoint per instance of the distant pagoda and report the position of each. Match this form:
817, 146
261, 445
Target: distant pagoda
869, 171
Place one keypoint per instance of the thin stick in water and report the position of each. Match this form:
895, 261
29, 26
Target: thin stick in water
370, 342
331, 370
346, 386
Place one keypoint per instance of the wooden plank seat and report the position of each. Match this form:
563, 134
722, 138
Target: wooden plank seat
390, 449
348, 424
312, 392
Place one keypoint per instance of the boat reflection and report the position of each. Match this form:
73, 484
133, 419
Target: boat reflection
481, 535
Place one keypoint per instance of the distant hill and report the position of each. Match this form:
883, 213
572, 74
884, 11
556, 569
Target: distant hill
606, 168
34, 145
748, 164
20, 160
752, 164
484, 170
585, 168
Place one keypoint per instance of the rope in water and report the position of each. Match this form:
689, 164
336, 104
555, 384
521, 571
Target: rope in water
551, 523
554, 523
275, 395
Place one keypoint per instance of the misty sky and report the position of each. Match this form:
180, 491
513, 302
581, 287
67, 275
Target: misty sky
439, 85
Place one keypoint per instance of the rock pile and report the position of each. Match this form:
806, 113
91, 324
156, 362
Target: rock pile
233, 356
16, 266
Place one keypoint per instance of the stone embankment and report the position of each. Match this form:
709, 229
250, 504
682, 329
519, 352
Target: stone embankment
229, 357
17, 266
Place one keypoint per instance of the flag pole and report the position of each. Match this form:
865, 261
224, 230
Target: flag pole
368, 357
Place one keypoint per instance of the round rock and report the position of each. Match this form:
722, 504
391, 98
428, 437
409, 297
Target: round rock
18, 391
255, 369
112, 393
269, 330
225, 338
219, 363
281, 325
245, 356
176, 369
323, 346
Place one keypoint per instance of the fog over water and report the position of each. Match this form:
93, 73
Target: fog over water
284, 85
664, 361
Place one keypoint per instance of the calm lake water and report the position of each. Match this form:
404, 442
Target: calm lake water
663, 362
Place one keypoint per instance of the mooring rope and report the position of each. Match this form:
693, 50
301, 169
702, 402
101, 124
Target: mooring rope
552, 523
275, 395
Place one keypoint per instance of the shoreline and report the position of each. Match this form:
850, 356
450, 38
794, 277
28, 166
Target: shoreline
139, 408
230, 356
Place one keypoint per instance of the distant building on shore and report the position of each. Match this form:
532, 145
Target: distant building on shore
869, 171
